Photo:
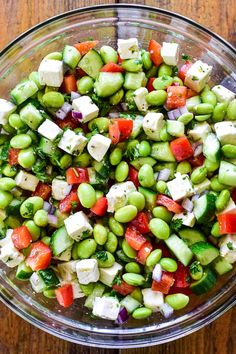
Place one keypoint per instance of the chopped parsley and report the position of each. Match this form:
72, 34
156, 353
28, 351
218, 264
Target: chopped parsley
117, 280
30, 210
194, 78
175, 70
176, 224
102, 256
230, 246
186, 57
4, 152
194, 267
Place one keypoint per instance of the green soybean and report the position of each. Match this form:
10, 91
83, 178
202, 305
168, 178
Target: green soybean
215, 230
209, 97
54, 56
74, 254
46, 240
86, 248
177, 80
185, 118
85, 85
5, 199
169, 264
211, 166
20, 141
136, 199
83, 160
144, 148
159, 228
121, 171
222, 200
108, 54
116, 227
184, 167
7, 184
152, 72
9, 171
100, 234
196, 270
161, 83
41, 218
229, 151
133, 279
117, 97
33, 229
87, 195
115, 156
29, 207
203, 108
126, 214
231, 110
177, 301
153, 258
146, 59
216, 186
133, 267
156, 98
132, 65
99, 194
105, 262
16, 122
163, 213
65, 161
128, 250
164, 70
199, 174
112, 242
202, 118
26, 158
146, 176
164, 135
219, 112
49, 293
53, 99
142, 313
161, 187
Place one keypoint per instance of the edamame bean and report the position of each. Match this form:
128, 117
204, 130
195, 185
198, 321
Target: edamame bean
161, 187
65, 161
231, 110
117, 97
164, 135
74, 254
7, 184
54, 56
87, 195
85, 85
33, 229
199, 174
86, 248
133, 279
152, 72
156, 98
20, 141
144, 148
136, 199
219, 112
196, 270
146, 176
169, 264
184, 167
133, 267
177, 301
116, 227
106, 261
159, 228
229, 151
50, 89
49, 293
108, 54
29, 207
141, 313
16, 122
41, 218
33, 136
46, 240
115, 156
164, 70
216, 186
146, 59
163, 213
185, 118
209, 97
128, 250
203, 117
153, 258
121, 171
9, 129
112, 242
3, 138
5, 199
9, 171
211, 166
161, 83
177, 80
126, 213
137, 295
100, 234
53, 99
215, 230
84, 160
132, 65
203, 108
99, 194
26, 158
222, 200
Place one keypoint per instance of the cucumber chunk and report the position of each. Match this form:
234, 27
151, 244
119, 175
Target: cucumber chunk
204, 208
23, 271
60, 241
162, 151
180, 249
205, 284
211, 148
191, 236
133, 81
71, 56
31, 116
221, 266
150, 197
23, 91
130, 303
204, 252
140, 161
108, 83
49, 277
227, 173
97, 292
91, 63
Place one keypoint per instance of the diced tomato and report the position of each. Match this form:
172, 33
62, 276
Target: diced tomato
39, 257
120, 129
77, 175
191, 93
169, 203
134, 238
149, 86
164, 285
227, 222
13, 156
64, 295
233, 195
80, 73
123, 288
181, 276
67, 122
163, 248
21, 237
119, 59
42, 190
68, 84
181, 148
197, 161
100, 207
112, 68
141, 223
176, 96
133, 176
144, 252
114, 133
85, 47
175, 290
69, 202
183, 70
154, 49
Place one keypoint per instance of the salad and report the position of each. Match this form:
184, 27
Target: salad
118, 179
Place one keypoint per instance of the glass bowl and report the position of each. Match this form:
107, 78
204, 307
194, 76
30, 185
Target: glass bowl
107, 23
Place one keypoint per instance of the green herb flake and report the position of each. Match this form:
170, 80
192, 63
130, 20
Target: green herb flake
230, 246
102, 256
176, 224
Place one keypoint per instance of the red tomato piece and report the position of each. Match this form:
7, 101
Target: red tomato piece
79, 73
133, 176
183, 70
77, 175
65, 295
149, 86
85, 47
114, 133
67, 122
175, 290
42, 190
181, 276
176, 96
165, 250
191, 93
169, 203
100, 207
119, 59
69, 202
233, 195
68, 84
13, 156
39, 257
120, 129
181, 148
123, 288
134, 238
144, 252
21, 237
227, 222
197, 161
112, 68
167, 280
154, 49
141, 223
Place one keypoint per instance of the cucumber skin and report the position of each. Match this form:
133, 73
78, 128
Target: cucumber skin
91, 63
162, 152
195, 235
150, 197
200, 248
204, 285
207, 215
64, 238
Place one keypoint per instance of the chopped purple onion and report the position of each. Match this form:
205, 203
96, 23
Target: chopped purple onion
68, 189
77, 115
66, 107
166, 310
195, 197
171, 115
176, 113
124, 106
46, 206
157, 273
114, 115
52, 210
187, 204
60, 114
198, 150
74, 95
53, 220
123, 316
164, 174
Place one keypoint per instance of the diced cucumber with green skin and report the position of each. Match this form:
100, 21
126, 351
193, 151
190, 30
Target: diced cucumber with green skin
91, 63
139, 162
137, 127
49, 277
97, 292
31, 116
23, 91
150, 197
23, 271
192, 101
191, 236
133, 81
180, 249
14, 207
87, 289
47, 147
205, 252
102, 168
204, 208
130, 303
71, 56
60, 241
169, 165
108, 83
211, 148
205, 284
122, 257
221, 266
162, 152
227, 173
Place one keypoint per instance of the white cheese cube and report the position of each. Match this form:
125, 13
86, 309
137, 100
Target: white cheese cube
9, 254
49, 130
180, 187
60, 189
188, 219
226, 132
228, 248
152, 125
107, 275
85, 105
223, 94
118, 194
128, 48
200, 131
77, 224
170, 53
87, 271
72, 143
6, 108
98, 146
37, 283
198, 75
106, 307
26, 181
67, 271
51, 72
152, 299
201, 187
140, 99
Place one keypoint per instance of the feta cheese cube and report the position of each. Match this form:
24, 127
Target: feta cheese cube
180, 187
60, 189
107, 275
152, 125
188, 219
140, 99
128, 48
98, 146
226, 132
201, 187
26, 181
6, 108
85, 105
49, 130
72, 143
67, 271
223, 94
200, 131
87, 271
228, 248
37, 283
9, 254
77, 224
106, 307
152, 299
51, 72
170, 53
198, 75
118, 194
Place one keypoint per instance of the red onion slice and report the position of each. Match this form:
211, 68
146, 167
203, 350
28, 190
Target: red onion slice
113, 115
77, 115
123, 316
46, 206
195, 197
60, 114
124, 106
74, 95
157, 273
67, 107
53, 220
166, 310
176, 113
187, 204
164, 174
198, 150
